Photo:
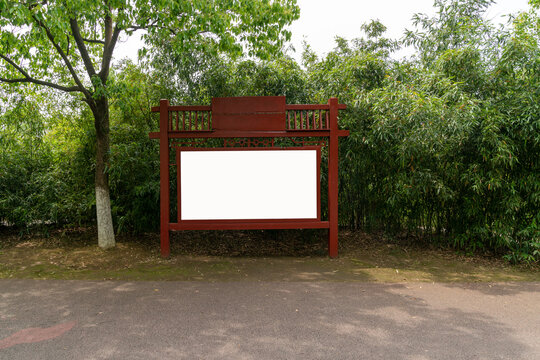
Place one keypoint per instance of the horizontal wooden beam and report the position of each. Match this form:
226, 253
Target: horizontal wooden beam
185, 108
287, 107
190, 108
247, 225
241, 134
307, 107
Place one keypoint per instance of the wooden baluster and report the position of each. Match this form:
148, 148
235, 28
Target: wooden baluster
327, 125
288, 120
183, 121
295, 127
177, 121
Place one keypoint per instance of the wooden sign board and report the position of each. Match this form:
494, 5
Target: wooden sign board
248, 182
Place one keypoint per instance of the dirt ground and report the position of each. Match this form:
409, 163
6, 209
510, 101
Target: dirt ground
246, 255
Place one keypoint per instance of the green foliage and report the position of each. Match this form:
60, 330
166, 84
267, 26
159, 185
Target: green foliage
445, 147
45, 171
74, 37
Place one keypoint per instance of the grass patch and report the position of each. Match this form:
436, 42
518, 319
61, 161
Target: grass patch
237, 256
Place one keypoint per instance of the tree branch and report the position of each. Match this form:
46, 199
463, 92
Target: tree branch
93, 41
50, 36
17, 67
41, 82
111, 37
28, 79
82, 48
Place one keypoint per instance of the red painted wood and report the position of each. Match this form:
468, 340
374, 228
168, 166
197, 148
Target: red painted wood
164, 204
250, 122
264, 117
288, 119
318, 183
178, 188
235, 134
245, 148
317, 179
190, 108
287, 107
307, 107
333, 180
249, 113
248, 104
247, 225
326, 117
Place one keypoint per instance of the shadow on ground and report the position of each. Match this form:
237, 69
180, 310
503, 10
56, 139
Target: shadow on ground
185, 320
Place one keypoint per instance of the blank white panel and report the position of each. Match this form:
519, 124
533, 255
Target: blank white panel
248, 184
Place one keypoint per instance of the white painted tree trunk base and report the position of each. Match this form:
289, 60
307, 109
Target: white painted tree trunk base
104, 219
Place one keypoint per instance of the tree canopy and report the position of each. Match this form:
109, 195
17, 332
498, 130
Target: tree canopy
69, 45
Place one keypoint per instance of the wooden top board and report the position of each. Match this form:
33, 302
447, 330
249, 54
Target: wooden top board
249, 113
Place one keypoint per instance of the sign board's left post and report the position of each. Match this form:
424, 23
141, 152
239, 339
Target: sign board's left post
164, 193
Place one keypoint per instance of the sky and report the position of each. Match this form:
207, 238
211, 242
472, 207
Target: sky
322, 20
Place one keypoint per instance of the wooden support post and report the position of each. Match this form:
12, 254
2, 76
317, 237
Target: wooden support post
333, 179
164, 176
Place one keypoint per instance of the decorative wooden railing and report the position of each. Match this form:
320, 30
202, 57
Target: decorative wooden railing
308, 117
190, 118
304, 118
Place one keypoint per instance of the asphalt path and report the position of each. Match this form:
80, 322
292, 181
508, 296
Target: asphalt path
50, 319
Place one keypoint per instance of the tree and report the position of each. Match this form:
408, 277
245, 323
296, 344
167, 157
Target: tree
68, 46
457, 23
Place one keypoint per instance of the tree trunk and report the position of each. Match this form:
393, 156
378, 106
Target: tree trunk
103, 201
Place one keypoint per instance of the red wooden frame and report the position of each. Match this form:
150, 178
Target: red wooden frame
266, 117
240, 224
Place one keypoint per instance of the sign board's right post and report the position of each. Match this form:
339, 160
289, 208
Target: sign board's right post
333, 179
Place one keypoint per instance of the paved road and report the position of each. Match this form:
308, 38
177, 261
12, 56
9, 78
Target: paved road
268, 320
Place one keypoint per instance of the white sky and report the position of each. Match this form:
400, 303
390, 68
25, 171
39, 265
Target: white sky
322, 20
